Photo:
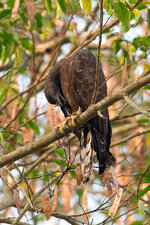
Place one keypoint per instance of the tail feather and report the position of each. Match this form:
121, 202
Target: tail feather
101, 136
86, 155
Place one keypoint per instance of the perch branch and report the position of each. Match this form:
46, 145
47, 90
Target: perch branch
82, 119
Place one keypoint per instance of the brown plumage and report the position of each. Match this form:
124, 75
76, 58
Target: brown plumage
70, 84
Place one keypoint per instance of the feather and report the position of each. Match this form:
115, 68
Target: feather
70, 84
86, 155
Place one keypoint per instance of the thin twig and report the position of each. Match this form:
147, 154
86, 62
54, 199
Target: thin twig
98, 53
135, 106
126, 139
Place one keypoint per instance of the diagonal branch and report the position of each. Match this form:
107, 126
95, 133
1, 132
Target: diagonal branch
135, 106
82, 119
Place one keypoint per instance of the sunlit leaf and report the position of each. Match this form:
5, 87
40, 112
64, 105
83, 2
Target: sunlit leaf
62, 5
34, 126
136, 15
141, 207
148, 139
1, 137
87, 6
26, 44
60, 152
49, 5
109, 7
73, 174
124, 16
143, 192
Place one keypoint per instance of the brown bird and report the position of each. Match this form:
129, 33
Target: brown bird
70, 85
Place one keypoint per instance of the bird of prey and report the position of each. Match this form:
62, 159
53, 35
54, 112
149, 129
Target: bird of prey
70, 85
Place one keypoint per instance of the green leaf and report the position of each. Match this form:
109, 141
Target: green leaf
143, 192
39, 23
5, 13
21, 118
116, 45
0, 49
87, 6
141, 207
26, 44
146, 178
123, 15
137, 223
1, 137
62, 5
137, 15
148, 139
10, 3
60, 152
71, 4
73, 174
148, 18
72, 166
143, 121
147, 87
14, 90
34, 126
60, 163
109, 7
49, 5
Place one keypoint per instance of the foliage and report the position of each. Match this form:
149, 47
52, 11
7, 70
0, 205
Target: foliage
33, 36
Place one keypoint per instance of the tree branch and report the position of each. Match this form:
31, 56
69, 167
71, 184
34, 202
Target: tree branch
81, 120
135, 106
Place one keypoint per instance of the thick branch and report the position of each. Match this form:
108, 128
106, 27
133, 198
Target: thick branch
82, 119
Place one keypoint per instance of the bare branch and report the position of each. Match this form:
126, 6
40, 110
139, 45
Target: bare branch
135, 106
82, 119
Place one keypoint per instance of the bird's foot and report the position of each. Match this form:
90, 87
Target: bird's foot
69, 120
61, 127
73, 117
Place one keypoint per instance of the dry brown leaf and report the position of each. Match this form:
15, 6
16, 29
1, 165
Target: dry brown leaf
52, 116
30, 8
66, 193
124, 70
106, 180
85, 200
115, 180
28, 135
17, 200
31, 67
85, 204
55, 198
79, 175
47, 206
114, 208
15, 9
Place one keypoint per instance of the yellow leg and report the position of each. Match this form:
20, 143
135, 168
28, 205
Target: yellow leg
71, 118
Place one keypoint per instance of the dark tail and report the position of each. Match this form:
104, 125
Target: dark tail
101, 135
